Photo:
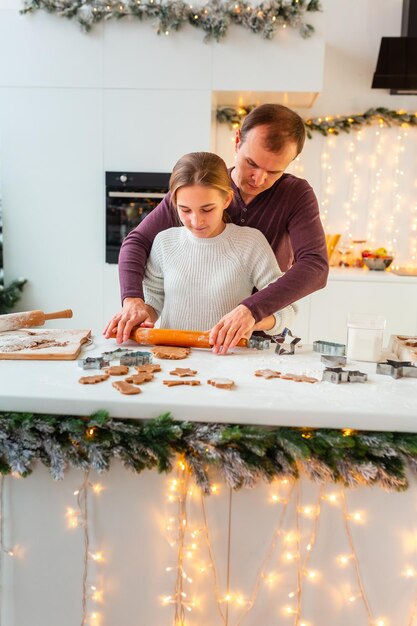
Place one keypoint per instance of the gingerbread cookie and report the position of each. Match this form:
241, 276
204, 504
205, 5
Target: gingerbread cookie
125, 388
175, 383
93, 380
268, 373
117, 370
170, 352
221, 383
148, 367
299, 378
183, 371
138, 379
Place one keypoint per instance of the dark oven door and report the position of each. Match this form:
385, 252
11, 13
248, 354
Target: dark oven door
130, 197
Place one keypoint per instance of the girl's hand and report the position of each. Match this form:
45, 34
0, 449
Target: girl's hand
231, 329
134, 313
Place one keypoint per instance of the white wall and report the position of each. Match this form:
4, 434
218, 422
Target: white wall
74, 105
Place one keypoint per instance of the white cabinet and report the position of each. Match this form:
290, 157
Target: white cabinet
323, 314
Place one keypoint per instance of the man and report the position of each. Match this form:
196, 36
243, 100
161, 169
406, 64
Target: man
283, 207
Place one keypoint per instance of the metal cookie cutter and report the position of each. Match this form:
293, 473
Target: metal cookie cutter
284, 345
333, 361
338, 375
93, 363
136, 358
115, 354
329, 347
259, 343
397, 369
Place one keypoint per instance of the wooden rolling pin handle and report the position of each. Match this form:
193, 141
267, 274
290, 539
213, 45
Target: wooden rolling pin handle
66, 313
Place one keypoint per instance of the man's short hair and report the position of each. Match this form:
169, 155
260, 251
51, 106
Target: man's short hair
284, 126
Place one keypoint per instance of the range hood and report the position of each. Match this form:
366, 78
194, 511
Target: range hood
397, 61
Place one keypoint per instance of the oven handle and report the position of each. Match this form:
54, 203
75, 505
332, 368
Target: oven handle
135, 194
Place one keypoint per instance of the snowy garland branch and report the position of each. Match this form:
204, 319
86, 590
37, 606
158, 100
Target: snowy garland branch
242, 454
214, 17
11, 294
329, 125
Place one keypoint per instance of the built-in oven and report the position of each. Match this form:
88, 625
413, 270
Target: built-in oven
130, 197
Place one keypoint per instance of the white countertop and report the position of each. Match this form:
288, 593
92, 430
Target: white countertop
380, 404
357, 274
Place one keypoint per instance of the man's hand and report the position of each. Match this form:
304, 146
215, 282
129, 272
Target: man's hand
133, 313
231, 328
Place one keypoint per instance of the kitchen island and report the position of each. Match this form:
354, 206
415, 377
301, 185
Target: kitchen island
149, 549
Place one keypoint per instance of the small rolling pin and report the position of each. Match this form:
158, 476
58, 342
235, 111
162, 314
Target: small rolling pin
26, 319
171, 337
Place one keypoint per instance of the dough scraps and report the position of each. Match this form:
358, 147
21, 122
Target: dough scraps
299, 378
126, 388
170, 352
117, 370
221, 383
148, 367
138, 379
93, 380
183, 371
175, 383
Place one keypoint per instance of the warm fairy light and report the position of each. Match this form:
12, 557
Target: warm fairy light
289, 610
308, 511
343, 559
97, 596
90, 432
312, 575
380, 622
357, 517
215, 489
333, 498
73, 518
97, 556
410, 572
97, 488
347, 432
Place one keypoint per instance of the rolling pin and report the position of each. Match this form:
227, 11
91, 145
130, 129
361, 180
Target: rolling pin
26, 319
171, 337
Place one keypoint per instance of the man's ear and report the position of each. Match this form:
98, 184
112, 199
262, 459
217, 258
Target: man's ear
237, 139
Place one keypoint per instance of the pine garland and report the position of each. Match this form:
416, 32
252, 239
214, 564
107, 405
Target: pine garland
329, 125
214, 17
242, 454
11, 294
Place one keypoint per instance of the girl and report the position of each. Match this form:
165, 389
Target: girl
199, 272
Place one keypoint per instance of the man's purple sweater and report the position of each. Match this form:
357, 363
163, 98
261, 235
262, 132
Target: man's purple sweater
287, 214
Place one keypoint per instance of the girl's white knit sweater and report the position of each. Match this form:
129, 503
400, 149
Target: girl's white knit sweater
193, 282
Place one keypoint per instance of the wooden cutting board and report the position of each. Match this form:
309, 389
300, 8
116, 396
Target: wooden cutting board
42, 344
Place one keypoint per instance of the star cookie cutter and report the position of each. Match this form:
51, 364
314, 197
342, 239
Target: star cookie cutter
397, 369
338, 375
329, 347
284, 344
93, 363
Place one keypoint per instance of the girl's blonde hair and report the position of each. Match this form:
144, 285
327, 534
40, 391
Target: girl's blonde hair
199, 168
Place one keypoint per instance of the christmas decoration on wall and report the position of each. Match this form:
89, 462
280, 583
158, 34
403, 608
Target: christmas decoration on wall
329, 125
242, 454
214, 17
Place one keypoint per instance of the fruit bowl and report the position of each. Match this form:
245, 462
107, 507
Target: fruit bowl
378, 263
